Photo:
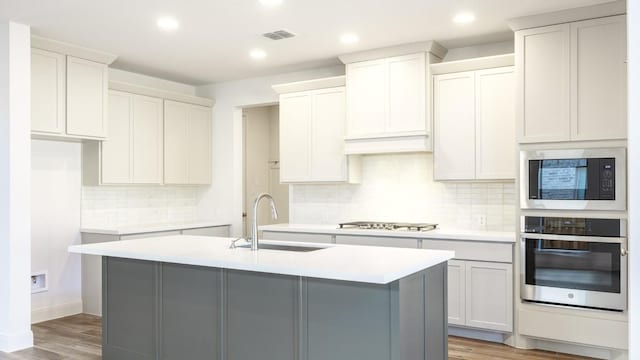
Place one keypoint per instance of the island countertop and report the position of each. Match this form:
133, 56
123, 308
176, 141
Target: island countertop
367, 264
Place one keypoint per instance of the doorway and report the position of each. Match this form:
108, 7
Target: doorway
261, 165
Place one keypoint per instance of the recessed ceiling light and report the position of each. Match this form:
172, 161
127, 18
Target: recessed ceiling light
349, 38
258, 54
167, 23
464, 18
271, 2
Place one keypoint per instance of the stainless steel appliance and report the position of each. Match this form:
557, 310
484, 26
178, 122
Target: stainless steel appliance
574, 179
574, 261
375, 225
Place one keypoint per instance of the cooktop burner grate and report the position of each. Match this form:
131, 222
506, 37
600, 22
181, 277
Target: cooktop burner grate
376, 225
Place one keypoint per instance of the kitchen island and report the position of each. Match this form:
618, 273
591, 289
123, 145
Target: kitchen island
192, 297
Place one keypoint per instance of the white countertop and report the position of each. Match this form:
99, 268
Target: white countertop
147, 228
378, 265
443, 234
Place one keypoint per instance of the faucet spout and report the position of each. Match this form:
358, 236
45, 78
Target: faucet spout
254, 227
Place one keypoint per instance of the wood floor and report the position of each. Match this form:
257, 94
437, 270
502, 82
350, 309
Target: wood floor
79, 338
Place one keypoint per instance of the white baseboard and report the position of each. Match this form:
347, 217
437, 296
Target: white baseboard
56, 311
581, 350
477, 334
14, 342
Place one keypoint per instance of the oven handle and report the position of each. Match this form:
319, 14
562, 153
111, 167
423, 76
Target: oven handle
612, 240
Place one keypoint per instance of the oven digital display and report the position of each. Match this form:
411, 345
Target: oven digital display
563, 179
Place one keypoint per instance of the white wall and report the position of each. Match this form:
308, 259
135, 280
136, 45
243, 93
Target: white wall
633, 19
15, 189
55, 220
223, 200
400, 187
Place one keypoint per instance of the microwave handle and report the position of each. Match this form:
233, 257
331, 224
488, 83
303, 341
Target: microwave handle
613, 240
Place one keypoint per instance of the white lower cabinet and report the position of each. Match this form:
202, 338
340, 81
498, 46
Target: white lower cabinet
456, 292
383, 241
481, 295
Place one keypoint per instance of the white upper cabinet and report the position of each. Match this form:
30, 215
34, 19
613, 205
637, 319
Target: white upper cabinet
115, 154
388, 99
599, 79
48, 81
474, 125
495, 124
454, 126
133, 152
69, 96
187, 143
147, 141
87, 86
295, 133
312, 127
406, 95
542, 60
571, 82
199, 134
366, 99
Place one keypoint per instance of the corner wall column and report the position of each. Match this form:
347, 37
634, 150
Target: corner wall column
15, 186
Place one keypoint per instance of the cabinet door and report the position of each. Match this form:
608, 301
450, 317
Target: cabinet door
495, 124
328, 162
176, 168
147, 140
86, 98
366, 98
406, 94
295, 131
542, 60
48, 82
115, 152
456, 292
454, 126
199, 144
599, 79
489, 295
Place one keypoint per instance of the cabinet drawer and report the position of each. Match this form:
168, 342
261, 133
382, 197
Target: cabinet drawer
377, 241
473, 250
300, 237
149, 234
217, 231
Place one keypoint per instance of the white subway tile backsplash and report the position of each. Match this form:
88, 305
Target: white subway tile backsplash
113, 206
400, 187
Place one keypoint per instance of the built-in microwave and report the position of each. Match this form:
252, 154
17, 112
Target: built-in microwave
574, 179
574, 261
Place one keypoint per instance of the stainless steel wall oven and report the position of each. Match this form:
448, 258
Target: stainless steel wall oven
574, 261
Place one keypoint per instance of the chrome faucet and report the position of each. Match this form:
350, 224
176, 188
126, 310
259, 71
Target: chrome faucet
254, 227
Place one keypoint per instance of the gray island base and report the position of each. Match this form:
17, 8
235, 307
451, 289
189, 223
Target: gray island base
158, 310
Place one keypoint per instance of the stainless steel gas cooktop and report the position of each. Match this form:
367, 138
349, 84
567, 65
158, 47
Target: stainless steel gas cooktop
392, 226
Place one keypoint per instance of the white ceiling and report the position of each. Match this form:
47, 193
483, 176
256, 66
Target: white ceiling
215, 36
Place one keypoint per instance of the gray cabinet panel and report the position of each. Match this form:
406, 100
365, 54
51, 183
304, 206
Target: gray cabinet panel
435, 295
347, 321
191, 300
130, 307
261, 316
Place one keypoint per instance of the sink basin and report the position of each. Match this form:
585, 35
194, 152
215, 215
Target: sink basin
283, 247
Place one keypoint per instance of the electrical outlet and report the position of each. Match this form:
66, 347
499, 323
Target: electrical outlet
481, 221
39, 282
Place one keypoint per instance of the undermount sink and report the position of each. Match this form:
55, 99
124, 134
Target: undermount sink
284, 247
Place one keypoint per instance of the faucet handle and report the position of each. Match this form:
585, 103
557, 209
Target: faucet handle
233, 242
